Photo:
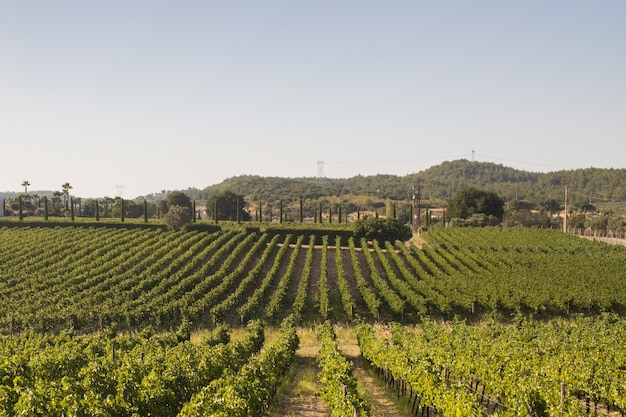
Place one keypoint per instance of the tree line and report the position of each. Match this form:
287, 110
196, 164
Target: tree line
468, 206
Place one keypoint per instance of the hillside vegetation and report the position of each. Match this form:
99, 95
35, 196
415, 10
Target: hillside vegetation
602, 187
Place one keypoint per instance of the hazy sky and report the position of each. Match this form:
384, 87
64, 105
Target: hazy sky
157, 95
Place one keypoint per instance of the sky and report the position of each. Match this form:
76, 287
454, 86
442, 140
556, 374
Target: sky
129, 98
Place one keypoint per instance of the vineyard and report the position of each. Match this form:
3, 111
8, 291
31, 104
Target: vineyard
96, 320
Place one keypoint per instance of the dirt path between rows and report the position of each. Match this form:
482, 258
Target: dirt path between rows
298, 397
371, 388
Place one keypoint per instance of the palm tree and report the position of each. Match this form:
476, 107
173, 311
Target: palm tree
25, 184
66, 194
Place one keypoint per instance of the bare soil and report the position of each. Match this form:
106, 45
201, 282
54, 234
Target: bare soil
298, 396
372, 389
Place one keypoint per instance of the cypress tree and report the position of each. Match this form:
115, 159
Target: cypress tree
339, 212
301, 211
97, 211
194, 210
358, 213
145, 210
215, 211
320, 212
19, 207
330, 213
45, 207
260, 213
280, 211
72, 209
238, 213
122, 215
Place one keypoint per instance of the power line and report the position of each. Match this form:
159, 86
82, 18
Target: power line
587, 196
521, 162
396, 161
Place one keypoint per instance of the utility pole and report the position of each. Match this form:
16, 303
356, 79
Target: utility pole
320, 169
565, 217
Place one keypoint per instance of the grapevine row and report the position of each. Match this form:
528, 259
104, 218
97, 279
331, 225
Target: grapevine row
323, 280
250, 391
275, 302
237, 294
388, 294
429, 389
342, 283
369, 296
303, 284
339, 389
123, 376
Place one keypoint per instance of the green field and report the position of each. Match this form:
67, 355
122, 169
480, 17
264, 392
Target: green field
486, 320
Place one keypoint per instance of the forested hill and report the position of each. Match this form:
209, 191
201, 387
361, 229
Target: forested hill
437, 184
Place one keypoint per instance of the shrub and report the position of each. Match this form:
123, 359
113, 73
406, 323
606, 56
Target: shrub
382, 230
177, 218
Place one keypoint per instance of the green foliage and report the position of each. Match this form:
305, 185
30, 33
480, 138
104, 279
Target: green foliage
438, 184
369, 295
253, 302
303, 285
276, 300
420, 372
319, 230
177, 218
323, 280
121, 375
469, 201
382, 230
518, 366
228, 206
249, 391
184, 330
339, 389
150, 276
475, 220
178, 198
342, 282
221, 334
20, 208
122, 280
